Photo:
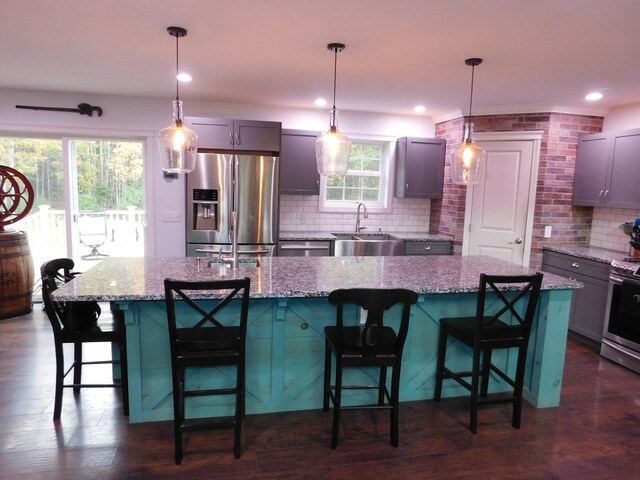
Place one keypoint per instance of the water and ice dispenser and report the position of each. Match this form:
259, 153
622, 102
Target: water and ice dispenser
205, 209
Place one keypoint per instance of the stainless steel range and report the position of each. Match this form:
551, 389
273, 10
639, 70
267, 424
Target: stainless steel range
621, 336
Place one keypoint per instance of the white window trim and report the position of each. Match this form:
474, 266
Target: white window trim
386, 183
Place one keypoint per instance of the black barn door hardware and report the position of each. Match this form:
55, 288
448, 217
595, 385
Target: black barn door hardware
83, 109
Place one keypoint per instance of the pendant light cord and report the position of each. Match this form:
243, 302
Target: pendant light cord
177, 69
335, 73
473, 69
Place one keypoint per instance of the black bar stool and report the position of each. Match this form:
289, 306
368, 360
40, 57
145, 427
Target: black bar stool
370, 345
504, 314
207, 328
78, 323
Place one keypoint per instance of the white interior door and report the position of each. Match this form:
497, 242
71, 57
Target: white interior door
499, 213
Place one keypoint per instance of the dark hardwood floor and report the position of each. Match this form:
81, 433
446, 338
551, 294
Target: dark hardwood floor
594, 434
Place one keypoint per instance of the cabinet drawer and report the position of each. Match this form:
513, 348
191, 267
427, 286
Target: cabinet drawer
575, 265
427, 248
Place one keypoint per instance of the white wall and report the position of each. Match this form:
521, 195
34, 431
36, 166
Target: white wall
622, 118
136, 117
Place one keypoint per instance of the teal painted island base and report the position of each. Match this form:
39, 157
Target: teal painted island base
285, 355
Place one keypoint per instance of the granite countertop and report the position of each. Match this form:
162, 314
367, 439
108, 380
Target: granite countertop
320, 236
601, 255
287, 277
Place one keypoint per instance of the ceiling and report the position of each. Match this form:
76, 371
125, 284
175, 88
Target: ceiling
399, 53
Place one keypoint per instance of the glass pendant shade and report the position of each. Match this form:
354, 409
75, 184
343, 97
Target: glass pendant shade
332, 151
465, 160
333, 148
178, 145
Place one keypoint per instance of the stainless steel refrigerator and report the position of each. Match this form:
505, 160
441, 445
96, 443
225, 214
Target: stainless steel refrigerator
223, 183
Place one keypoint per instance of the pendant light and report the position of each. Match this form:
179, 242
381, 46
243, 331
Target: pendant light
466, 157
178, 144
333, 148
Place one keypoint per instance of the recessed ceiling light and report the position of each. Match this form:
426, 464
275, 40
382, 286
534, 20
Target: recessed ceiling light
184, 77
593, 96
320, 102
420, 109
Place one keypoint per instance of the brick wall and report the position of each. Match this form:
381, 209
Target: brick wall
570, 225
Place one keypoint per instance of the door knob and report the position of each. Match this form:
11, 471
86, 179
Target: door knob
517, 240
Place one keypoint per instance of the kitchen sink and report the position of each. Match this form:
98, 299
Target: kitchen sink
367, 244
374, 236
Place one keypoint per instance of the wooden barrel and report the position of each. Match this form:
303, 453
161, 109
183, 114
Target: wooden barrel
16, 274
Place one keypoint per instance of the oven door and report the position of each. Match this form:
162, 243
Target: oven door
622, 325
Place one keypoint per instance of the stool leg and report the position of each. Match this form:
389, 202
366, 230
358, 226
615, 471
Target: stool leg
124, 377
475, 381
336, 405
517, 391
59, 380
77, 365
178, 415
486, 370
382, 385
327, 376
239, 412
442, 352
395, 403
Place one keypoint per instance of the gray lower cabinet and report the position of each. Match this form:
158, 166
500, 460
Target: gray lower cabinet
588, 305
295, 248
428, 247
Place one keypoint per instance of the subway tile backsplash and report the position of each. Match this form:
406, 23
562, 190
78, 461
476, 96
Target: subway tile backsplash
299, 213
604, 228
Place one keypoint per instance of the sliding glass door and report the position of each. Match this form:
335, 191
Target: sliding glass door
89, 201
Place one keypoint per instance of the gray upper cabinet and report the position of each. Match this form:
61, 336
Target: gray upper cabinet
226, 134
419, 167
298, 167
607, 170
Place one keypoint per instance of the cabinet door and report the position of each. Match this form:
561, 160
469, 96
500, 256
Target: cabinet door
589, 307
213, 133
420, 168
298, 167
257, 136
592, 164
624, 187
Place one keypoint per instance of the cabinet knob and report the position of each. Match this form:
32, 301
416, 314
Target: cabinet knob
575, 265
231, 138
304, 325
238, 142
606, 194
406, 187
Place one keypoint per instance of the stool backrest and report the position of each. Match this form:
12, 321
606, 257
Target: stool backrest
217, 294
511, 299
54, 273
376, 302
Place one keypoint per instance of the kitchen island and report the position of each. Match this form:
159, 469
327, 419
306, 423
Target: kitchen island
288, 311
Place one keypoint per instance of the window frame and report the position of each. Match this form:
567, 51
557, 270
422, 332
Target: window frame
383, 205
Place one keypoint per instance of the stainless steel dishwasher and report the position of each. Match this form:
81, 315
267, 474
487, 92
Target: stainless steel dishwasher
301, 248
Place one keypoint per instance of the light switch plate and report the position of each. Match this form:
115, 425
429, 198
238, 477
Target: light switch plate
170, 216
547, 231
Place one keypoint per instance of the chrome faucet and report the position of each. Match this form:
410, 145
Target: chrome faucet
366, 215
